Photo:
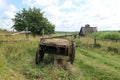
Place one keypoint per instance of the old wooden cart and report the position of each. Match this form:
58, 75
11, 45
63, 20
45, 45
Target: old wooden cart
55, 46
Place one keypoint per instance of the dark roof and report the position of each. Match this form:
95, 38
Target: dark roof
87, 30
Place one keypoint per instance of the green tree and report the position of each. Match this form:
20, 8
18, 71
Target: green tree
33, 20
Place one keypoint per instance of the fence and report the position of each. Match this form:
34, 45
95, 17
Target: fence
112, 47
6, 37
95, 40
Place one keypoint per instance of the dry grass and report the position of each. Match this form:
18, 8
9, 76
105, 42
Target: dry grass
17, 62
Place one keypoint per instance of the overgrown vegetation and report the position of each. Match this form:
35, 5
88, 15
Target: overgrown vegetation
113, 35
17, 62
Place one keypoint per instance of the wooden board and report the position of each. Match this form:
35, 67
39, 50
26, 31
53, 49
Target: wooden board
56, 42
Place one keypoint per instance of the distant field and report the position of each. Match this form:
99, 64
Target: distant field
17, 61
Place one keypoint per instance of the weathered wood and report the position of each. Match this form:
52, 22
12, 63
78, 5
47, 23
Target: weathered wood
10, 40
73, 35
57, 47
94, 40
87, 30
13, 34
22, 32
55, 42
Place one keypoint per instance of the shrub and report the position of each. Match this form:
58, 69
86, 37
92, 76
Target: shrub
107, 35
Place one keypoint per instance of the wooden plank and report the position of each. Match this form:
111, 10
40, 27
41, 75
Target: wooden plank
11, 40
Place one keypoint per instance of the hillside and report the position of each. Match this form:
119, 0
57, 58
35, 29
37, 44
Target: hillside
17, 62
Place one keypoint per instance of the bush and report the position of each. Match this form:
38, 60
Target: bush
112, 49
107, 35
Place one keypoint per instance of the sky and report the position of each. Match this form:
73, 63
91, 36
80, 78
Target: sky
67, 15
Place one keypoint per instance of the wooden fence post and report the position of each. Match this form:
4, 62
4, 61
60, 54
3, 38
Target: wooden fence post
27, 36
27, 33
94, 40
42, 33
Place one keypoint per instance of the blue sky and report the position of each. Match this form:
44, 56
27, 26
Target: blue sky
67, 15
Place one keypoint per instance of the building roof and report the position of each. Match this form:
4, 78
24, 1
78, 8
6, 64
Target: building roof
87, 30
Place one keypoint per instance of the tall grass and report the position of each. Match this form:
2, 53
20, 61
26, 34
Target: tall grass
6, 73
17, 62
107, 35
20, 57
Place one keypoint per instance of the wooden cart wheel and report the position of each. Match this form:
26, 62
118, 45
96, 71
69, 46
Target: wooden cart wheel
39, 55
72, 56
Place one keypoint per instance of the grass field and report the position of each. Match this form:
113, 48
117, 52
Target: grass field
17, 62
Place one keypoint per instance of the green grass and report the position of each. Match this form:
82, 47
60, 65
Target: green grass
6, 73
17, 62
21, 58
107, 35
96, 67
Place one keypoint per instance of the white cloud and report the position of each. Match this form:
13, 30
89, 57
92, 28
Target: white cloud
108, 13
101, 13
7, 14
33, 3
67, 4
70, 15
77, 1
11, 8
73, 14
2, 4
6, 24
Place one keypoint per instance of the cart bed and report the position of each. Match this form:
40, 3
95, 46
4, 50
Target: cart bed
56, 42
